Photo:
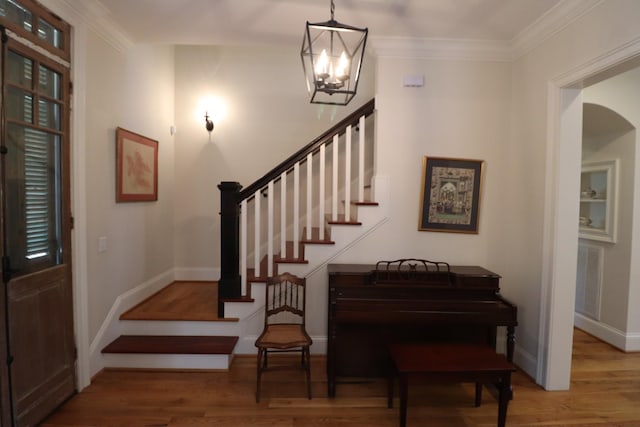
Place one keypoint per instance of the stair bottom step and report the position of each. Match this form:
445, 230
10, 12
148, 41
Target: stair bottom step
172, 344
183, 362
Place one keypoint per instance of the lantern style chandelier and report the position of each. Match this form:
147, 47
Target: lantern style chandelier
332, 55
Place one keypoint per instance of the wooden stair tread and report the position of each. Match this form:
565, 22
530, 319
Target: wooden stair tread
180, 300
172, 344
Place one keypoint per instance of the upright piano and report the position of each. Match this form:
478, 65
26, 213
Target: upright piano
371, 306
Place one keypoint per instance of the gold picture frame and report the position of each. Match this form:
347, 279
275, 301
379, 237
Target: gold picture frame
450, 194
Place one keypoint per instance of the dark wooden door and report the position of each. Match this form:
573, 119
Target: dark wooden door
36, 229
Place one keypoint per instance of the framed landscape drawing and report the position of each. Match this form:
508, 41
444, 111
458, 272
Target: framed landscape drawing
450, 196
136, 167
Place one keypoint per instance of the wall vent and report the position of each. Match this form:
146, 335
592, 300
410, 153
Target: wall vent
589, 280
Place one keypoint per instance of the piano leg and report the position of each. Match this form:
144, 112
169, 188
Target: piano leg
404, 394
511, 341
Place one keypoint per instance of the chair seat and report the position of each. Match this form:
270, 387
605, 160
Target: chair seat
284, 336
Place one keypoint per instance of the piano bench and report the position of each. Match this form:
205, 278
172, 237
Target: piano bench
450, 362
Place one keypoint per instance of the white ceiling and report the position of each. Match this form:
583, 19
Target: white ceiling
281, 22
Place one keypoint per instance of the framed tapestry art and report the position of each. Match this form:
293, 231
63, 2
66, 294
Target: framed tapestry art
450, 196
136, 167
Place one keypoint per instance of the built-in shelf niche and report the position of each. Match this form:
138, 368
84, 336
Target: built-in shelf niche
598, 200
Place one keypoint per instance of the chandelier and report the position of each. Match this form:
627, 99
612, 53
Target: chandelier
332, 56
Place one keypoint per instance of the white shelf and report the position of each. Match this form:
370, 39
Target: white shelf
598, 199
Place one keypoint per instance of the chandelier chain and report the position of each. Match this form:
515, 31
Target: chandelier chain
333, 8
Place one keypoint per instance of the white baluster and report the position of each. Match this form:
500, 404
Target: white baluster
334, 180
256, 236
361, 161
309, 193
283, 215
270, 198
322, 166
296, 210
347, 175
243, 247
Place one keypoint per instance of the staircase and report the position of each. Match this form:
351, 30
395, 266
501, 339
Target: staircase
297, 218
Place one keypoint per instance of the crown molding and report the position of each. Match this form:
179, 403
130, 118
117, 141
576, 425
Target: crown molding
555, 20
551, 23
97, 17
451, 49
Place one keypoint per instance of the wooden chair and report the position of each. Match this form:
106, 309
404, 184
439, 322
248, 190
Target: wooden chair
284, 324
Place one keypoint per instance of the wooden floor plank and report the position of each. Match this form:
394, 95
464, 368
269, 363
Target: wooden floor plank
601, 395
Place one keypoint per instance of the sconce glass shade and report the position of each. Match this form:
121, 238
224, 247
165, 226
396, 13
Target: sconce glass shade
332, 55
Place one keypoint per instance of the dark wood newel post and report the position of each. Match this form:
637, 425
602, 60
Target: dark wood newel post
229, 284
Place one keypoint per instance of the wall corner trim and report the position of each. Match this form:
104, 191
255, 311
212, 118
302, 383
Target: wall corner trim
97, 17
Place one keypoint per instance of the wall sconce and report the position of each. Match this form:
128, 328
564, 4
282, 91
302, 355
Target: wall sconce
215, 110
208, 121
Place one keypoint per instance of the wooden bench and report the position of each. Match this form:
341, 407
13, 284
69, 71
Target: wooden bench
450, 362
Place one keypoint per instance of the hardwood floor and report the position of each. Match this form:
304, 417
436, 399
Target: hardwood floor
605, 391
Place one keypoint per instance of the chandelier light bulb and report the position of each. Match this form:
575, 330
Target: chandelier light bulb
322, 65
342, 73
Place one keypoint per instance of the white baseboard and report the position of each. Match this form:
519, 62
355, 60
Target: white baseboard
525, 361
622, 340
111, 327
195, 273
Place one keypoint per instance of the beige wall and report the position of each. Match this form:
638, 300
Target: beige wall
268, 118
540, 247
132, 89
497, 112
618, 94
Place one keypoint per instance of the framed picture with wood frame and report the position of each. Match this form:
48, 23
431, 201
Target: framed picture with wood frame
136, 167
450, 194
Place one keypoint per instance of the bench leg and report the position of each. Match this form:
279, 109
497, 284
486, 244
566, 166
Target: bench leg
478, 394
503, 399
404, 394
390, 381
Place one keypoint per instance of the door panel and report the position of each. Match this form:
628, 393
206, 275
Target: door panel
36, 233
42, 343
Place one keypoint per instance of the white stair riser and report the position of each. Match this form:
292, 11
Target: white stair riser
241, 310
179, 327
167, 361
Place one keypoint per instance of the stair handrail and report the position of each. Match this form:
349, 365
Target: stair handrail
232, 195
301, 155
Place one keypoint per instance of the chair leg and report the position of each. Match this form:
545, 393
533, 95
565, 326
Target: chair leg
258, 374
307, 356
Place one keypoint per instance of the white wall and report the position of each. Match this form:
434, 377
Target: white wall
617, 256
132, 89
497, 112
618, 94
268, 118
459, 113
546, 156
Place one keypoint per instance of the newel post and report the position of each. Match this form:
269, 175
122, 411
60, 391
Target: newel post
229, 284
